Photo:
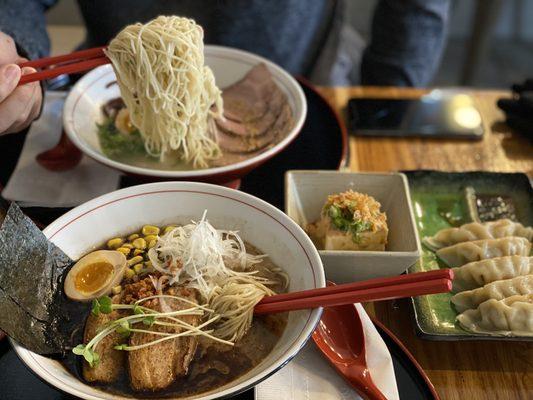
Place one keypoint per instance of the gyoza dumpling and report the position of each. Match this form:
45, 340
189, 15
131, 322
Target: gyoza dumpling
496, 290
479, 273
462, 253
512, 316
476, 231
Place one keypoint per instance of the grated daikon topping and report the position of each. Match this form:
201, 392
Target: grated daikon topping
202, 256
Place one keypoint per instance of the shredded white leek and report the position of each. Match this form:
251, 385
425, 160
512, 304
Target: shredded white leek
201, 256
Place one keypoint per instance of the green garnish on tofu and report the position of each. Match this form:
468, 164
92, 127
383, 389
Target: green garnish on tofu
343, 220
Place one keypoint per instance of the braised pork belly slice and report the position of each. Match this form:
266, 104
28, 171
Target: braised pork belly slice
112, 362
157, 366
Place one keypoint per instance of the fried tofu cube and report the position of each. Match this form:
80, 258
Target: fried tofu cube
350, 221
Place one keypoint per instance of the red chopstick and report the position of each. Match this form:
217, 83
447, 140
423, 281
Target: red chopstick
95, 52
389, 288
445, 273
75, 62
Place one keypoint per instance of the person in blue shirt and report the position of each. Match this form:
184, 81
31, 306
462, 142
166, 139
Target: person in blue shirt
306, 37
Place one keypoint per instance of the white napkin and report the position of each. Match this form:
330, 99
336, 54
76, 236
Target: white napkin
33, 185
309, 375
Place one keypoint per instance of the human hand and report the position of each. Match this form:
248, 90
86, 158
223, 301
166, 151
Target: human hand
19, 106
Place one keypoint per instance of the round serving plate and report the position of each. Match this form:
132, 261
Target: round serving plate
83, 105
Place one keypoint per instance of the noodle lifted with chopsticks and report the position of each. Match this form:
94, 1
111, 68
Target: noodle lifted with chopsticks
167, 89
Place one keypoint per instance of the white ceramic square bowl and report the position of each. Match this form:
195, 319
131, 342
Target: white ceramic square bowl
305, 194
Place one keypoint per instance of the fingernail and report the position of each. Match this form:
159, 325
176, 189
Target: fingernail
11, 72
28, 70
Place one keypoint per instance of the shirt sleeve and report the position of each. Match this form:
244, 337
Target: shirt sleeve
24, 21
407, 42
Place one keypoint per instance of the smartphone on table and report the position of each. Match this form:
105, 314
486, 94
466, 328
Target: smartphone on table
438, 114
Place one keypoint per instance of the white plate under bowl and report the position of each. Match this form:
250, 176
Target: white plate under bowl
83, 110
305, 194
87, 226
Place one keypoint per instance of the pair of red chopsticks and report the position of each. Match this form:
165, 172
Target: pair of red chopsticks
75, 62
420, 283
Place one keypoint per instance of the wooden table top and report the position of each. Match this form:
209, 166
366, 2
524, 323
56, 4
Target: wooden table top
459, 370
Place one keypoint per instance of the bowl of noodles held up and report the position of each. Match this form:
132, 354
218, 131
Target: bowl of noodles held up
169, 108
195, 254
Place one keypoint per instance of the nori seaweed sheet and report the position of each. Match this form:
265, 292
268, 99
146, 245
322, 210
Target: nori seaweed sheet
33, 309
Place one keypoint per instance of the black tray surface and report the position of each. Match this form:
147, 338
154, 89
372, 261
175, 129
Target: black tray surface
319, 146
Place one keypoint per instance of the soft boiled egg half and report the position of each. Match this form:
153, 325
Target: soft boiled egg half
94, 275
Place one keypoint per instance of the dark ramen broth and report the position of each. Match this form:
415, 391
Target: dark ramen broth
214, 364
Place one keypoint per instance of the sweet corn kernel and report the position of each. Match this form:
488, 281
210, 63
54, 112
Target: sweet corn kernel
129, 273
138, 252
124, 250
133, 236
117, 289
139, 243
150, 230
149, 238
135, 260
168, 228
115, 243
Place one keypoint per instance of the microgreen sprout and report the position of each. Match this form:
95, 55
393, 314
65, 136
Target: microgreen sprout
102, 305
149, 321
126, 325
90, 355
123, 329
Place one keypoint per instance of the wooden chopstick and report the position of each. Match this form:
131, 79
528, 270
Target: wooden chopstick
389, 292
368, 284
75, 62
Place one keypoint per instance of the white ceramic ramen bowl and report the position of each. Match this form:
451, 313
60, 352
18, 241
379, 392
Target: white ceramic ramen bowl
89, 225
83, 110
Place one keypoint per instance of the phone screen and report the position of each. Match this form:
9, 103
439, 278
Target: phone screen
433, 115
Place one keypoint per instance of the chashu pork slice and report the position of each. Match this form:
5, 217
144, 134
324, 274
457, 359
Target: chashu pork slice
243, 145
260, 126
247, 99
112, 362
156, 367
